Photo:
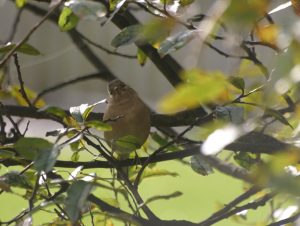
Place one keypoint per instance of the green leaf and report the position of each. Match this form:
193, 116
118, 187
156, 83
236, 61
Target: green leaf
162, 141
185, 2
200, 166
46, 159
75, 156
84, 9
30, 147
237, 82
128, 142
59, 112
141, 56
80, 113
24, 48
244, 159
15, 179
127, 36
20, 3
67, 19
200, 88
76, 198
175, 42
277, 115
115, 4
99, 125
6, 153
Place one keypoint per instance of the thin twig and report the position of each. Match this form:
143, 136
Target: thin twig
15, 25
22, 88
105, 49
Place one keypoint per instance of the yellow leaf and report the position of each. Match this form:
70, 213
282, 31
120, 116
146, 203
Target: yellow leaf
15, 93
268, 33
199, 88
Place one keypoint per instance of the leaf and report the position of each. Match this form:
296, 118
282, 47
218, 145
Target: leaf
237, 82
268, 33
127, 36
141, 56
200, 166
246, 160
162, 141
84, 9
78, 111
24, 48
15, 93
115, 4
20, 3
6, 153
67, 19
128, 142
15, 179
277, 115
185, 2
175, 42
76, 198
30, 147
57, 111
99, 125
200, 88
46, 159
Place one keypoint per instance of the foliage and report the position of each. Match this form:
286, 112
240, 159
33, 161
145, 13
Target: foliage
244, 124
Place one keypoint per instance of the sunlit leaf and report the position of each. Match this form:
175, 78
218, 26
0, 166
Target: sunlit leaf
200, 87
30, 147
20, 3
76, 198
127, 36
67, 19
85, 9
99, 125
24, 48
15, 93
268, 34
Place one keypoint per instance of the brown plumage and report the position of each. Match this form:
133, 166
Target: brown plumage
128, 116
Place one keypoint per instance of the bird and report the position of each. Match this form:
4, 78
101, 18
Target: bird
129, 118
